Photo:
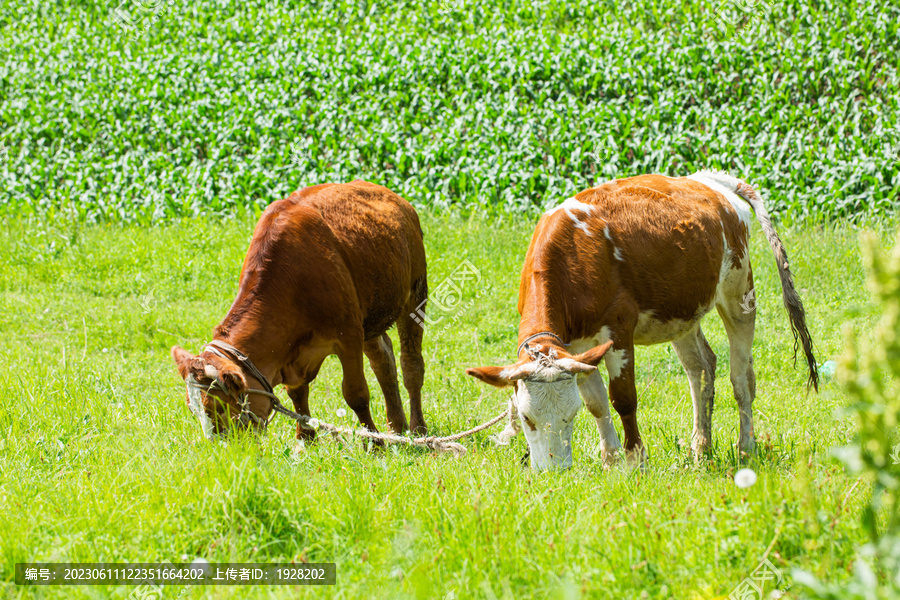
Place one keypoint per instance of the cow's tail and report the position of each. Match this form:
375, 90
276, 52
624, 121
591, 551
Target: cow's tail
792, 302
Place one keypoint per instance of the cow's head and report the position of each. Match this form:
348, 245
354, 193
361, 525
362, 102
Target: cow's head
213, 386
546, 398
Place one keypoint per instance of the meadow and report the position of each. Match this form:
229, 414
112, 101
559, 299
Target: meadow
102, 461
140, 141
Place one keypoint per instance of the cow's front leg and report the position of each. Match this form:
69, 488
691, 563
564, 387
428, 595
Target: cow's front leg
596, 400
622, 391
354, 387
300, 397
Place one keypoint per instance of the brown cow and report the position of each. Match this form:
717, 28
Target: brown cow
328, 271
636, 261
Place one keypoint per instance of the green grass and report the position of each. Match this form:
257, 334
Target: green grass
495, 109
100, 459
220, 107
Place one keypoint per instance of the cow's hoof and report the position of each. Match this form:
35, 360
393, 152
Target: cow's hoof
306, 435
610, 458
636, 459
398, 426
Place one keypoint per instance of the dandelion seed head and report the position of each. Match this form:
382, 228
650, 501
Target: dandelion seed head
744, 478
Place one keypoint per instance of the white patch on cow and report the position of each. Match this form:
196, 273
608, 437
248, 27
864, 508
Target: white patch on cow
196, 406
210, 371
562, 205
507, 373
616, 361
606, 232
577, 346
650, 330
618, 254
726, 185
570, 206
733, 281
726, 260
551, 406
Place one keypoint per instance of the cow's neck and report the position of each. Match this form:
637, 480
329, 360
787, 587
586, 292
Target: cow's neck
542, 312
265, 348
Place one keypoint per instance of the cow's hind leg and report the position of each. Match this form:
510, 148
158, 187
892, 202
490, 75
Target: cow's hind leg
699, 362
593, 392
411, 361
380, 352
300, 397
738, 311
354, 386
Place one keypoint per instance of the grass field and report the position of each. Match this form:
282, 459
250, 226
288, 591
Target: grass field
102, 461
140, 140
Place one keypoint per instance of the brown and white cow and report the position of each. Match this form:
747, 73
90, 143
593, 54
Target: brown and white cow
328, 271
636, 261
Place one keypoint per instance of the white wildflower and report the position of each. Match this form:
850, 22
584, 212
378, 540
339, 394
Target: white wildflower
744, 478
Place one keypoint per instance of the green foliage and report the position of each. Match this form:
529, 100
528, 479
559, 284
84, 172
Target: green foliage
872, 380
207, 107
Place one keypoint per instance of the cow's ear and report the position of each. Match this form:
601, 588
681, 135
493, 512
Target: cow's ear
183, 360
594, 355
232, 380
586, 362
500, 376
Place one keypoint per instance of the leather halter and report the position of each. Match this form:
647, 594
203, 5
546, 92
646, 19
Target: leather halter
537, 335
229, 352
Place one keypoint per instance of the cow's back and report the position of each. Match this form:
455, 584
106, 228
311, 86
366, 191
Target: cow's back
654, 242
379, 237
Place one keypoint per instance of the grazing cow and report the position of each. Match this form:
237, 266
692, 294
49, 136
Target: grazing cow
328, 271
636, 261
